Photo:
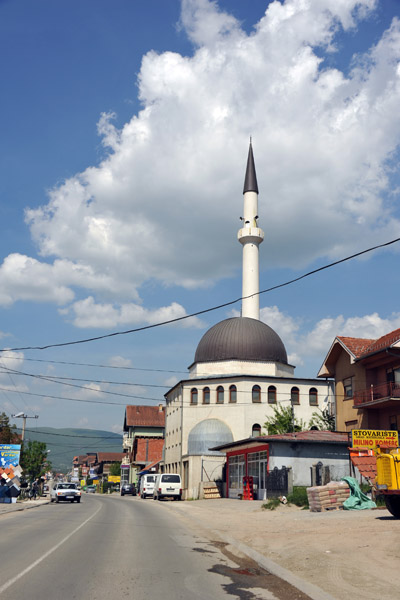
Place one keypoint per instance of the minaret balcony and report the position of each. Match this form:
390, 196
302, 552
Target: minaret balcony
252, 235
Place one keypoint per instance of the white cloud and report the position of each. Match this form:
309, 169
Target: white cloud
160, 208
171, 381
86, 313
119, 361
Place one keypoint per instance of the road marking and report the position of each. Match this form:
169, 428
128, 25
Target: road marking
10, 582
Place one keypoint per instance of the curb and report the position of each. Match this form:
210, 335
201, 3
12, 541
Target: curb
19, 507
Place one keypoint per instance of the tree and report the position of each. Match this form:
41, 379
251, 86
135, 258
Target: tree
34, 460
8, 433
323, 420
283, 421
115, 468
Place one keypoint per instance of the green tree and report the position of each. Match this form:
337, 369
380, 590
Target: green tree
283, 421
323, 420
115, 468
34, 460
8, 433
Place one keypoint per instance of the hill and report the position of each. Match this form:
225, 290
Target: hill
66, 443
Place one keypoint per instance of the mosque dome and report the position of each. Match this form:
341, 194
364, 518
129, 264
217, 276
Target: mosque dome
207, 434
241, 338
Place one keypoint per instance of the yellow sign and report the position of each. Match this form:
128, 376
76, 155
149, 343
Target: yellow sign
83, 482
95, 481
114, 478
369, 439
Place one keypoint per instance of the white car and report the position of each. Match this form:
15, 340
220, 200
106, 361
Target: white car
65, 491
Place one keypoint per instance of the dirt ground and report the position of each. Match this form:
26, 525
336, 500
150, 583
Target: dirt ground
345, 553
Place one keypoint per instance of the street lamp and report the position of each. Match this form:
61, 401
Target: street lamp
22, 415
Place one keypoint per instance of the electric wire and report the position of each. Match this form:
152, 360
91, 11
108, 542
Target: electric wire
204, 311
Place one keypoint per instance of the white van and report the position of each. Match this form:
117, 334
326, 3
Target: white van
168, 485
147, 485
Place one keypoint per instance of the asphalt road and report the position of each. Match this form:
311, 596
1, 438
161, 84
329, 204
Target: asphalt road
113, 547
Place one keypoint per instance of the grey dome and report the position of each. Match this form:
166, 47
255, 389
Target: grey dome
207, 434
241, 338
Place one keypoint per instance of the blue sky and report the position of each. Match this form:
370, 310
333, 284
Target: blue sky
124, 137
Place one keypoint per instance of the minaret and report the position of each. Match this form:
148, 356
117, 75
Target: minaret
250, 236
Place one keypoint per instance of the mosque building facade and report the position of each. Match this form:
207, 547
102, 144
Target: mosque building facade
239, 374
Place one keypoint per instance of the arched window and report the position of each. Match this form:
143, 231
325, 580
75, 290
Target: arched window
256, 394
313, 397
193, 396
295, 395
206, 395
232, 393
272, 394
256, 430
220, 394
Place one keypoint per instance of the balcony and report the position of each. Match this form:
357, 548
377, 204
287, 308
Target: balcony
377, 394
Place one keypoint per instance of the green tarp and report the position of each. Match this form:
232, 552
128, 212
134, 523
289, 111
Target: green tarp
357, 500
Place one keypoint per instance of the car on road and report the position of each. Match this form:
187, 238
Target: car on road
128, 488
90, 489
68, 492
168, 485
147, 486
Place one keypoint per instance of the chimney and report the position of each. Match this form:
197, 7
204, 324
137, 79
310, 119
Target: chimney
160, 407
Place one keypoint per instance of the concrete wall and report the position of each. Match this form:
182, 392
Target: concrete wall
301, 457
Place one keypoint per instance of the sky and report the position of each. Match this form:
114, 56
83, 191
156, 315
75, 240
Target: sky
124, 132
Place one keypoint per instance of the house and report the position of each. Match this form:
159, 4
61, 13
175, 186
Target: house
298, 452
367, 381
143, 439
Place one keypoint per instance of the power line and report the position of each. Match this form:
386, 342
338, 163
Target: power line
204, 311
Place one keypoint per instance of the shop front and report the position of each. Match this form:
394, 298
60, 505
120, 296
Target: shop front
250, 462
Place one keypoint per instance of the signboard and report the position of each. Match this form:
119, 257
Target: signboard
368, 439
114, 478
83, 482
125, 466
9, 455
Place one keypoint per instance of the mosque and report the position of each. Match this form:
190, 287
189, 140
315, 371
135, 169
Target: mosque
239, 374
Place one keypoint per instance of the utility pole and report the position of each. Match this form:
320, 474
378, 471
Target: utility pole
22, 415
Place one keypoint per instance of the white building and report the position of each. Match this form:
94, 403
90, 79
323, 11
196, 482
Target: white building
239, 373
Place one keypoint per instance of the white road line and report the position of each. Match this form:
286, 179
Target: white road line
10, 582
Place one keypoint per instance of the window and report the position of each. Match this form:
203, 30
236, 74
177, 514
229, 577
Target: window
313, 397
206, 395
272, 394
256, 430
295, 395
220, 394
232, 394
348, 387
256, 394
193, 396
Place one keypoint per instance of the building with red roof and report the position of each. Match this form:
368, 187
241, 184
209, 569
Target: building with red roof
367, 381
143, 439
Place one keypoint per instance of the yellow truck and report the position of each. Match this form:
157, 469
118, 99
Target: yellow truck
387, 480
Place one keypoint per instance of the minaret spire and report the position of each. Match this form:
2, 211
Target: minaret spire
250, 236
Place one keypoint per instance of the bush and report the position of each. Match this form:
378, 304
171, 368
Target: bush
298, 497
271, 504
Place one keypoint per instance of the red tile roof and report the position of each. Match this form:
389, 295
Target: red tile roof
145, 416
366, 465
361, 347
110, 456
357, 346
314, 435
149, 450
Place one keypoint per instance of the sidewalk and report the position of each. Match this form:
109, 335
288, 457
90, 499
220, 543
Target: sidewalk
326, 555
6, 509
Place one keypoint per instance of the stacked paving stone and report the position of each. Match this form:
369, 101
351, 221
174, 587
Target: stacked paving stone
328, 497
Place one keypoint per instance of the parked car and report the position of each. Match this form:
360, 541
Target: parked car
65, 491
147, 485
168, 485
90, 489
128, 488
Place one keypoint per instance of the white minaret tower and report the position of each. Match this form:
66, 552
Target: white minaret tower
250, 236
